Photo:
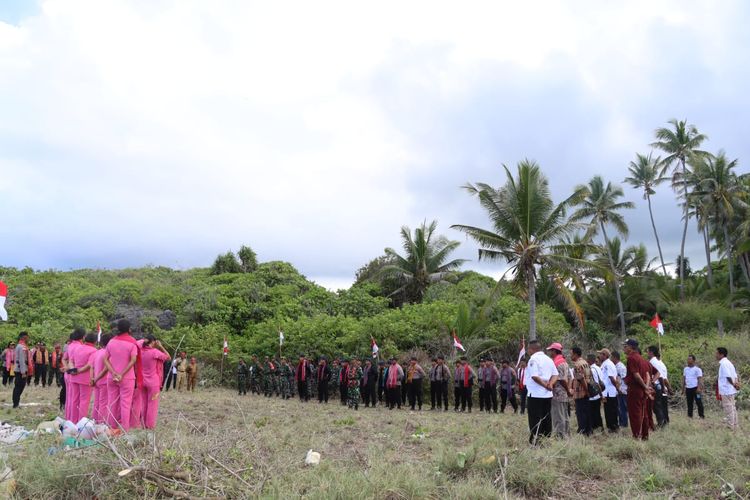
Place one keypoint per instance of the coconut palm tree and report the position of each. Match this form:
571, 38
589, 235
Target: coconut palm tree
680, 143
425, 260
600, 206
721, 192
645, 174
526, 228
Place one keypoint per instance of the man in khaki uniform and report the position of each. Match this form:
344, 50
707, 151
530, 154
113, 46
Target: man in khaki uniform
182, 365
192, 374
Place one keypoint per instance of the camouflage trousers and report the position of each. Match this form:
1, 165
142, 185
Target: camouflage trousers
352, 397
284, 388
242, 384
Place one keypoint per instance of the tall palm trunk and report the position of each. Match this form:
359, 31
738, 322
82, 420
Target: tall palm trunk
530, 278
684, 231
745, 263
616, 280
707, 246
730, 267
656, 235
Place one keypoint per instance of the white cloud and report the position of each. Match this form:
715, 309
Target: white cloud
165, 132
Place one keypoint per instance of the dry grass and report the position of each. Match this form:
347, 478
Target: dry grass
213, 444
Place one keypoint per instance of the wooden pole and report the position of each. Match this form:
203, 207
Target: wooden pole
221, 371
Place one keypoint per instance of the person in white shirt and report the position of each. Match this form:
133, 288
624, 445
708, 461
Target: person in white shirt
609, 375
661, 387
622, 392
539, 379
595, 402
728, 385
692, 386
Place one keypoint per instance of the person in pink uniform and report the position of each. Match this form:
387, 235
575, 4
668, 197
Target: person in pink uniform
136, 409
123, 364
99, 381
153, 355
80, 378
71, 392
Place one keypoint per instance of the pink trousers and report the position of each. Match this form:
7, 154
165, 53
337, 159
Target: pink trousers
68, 398
100, 402
119, 403
72, 398
84, 400
136, 419
150, 400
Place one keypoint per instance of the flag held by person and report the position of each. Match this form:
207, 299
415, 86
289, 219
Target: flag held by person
3, 296
98, 332
226, 347
656, 323
457, 343
522, 352
375, 347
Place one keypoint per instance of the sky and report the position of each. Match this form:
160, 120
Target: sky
165, 132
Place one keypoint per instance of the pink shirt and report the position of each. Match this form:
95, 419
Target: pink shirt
98, 361
152, 361
81, 356
120, 352
9, 355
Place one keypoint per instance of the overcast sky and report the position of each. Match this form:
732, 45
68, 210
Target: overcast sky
161, 132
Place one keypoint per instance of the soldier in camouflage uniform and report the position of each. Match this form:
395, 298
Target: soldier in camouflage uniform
285, 371
277, 377
255, 376
333, 384
355, 375
268, 369
242, 371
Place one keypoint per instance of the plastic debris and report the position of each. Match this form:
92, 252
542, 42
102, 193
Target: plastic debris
312, 458
11, 434
489, 460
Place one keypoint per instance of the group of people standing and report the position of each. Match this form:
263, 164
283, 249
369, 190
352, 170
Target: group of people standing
632, 394
181, 373
43, 365
116, 381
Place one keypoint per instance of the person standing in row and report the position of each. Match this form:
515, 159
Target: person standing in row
125, 371
324, 380
465, 377
541, 376
80, 386
595, 401
70, 400
662, 388
414, 376
344, 380
522, 391
611, 387
55, 365
9, 358
561, 390
181, 365
301, 375
638, 379
333, 382
286, 376
692, 386
728, 384
370, 384
622, 391
354, 376
41, 362
507, 383
491, 376
21, 367
480, 383
439, 377
192, 374
394, 375
153, 356
242, 373
99, 381
581, 394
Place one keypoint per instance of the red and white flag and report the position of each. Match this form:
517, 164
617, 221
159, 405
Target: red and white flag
3, 295
226, 347
656, 323
457, 343
375, 348
522, 352
98, 332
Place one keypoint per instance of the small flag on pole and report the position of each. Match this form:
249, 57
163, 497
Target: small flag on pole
3, 296
375, 348
656, 323
98, 332
457, 343
522, 352
281, 337
226, 347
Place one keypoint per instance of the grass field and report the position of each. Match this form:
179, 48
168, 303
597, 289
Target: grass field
214, 444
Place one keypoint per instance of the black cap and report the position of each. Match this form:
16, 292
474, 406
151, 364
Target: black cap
631, 342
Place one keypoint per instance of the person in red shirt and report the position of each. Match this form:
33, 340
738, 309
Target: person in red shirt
638, 379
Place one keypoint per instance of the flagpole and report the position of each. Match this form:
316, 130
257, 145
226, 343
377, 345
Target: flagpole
166, 379
221, 370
